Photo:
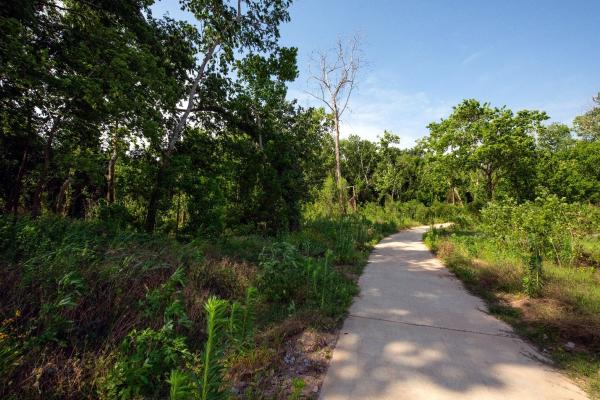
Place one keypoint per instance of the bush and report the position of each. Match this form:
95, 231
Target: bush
144, 364
548, 225
282, 273
287, 277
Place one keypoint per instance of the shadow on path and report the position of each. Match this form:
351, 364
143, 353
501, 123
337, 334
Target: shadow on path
415, 333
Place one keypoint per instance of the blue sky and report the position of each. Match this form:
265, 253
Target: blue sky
424, 56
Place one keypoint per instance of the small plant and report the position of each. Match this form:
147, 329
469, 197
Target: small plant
282, 274
55, 325
241, 321
211, 379
146, 359
298, 385
181, 386
532, 281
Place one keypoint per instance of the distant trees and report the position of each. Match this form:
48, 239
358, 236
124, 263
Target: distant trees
587, 125
493, 145
480, 153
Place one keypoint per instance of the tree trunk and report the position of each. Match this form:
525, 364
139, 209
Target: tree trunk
13, 201
177, 131
37, 196
110, 175
173, 138
338, 164
62, 196
156, 195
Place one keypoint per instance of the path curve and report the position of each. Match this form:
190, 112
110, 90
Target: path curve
416, 333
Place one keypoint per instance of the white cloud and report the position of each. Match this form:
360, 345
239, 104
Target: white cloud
375, 108
471, 58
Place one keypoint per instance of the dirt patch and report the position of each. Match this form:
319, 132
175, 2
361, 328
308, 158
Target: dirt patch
300, 359
558, 319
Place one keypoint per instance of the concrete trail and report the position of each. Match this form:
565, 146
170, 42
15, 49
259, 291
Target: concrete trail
415, 333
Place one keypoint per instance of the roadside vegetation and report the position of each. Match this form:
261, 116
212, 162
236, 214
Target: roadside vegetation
91, 310
537, 264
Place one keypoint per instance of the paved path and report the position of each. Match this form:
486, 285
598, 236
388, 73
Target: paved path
415, 333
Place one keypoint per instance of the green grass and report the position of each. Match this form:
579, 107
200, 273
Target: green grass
567, 309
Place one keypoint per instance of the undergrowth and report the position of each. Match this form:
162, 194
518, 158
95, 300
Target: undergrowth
91, 310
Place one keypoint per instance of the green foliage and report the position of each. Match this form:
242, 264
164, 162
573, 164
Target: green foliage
282, 273
145, 360
547, 228
181, 386
166, 299
56, 325
548, 225
481, 143
298, 385
300, 272
588, 125
242, 321
211, 375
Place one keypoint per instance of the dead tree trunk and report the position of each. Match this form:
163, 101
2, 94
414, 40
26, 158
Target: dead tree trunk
336, 79
338, 161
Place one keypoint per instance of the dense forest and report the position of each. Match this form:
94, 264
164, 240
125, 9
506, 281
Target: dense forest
170, 219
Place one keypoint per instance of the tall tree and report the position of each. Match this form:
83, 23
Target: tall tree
335, 74
495, 143
227, 29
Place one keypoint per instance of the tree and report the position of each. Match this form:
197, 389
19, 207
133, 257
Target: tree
397, 173
359, 161
494, 143
335, 73
226, 30
587, 125
554, 138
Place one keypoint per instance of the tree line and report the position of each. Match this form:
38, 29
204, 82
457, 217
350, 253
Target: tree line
481, 153
110, 112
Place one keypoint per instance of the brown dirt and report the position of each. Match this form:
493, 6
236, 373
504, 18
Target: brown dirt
570, 327
301, 354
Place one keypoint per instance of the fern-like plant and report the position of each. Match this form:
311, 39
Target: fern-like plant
181, 386
211, 380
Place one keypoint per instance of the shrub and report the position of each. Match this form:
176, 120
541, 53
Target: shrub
282, 274
144, 363
547, 228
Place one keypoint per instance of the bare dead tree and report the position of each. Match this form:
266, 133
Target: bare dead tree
335, 72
